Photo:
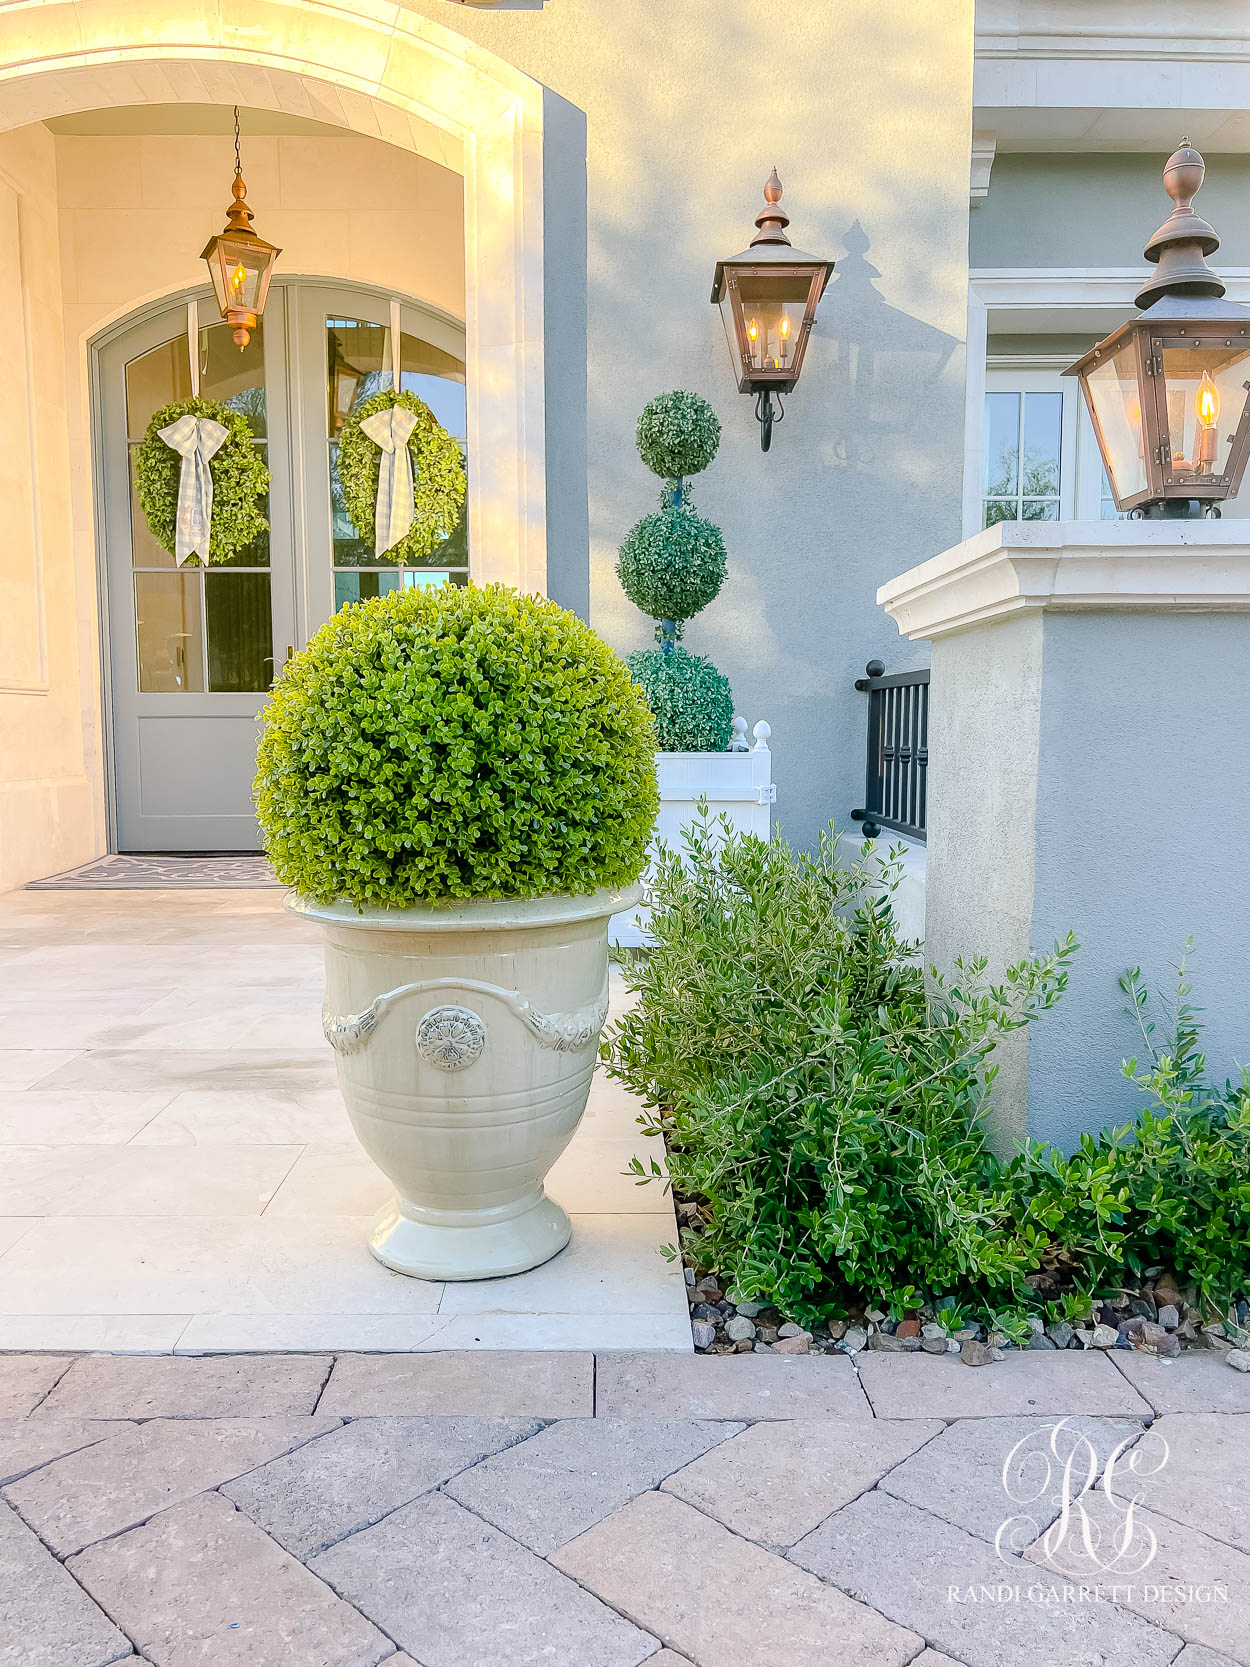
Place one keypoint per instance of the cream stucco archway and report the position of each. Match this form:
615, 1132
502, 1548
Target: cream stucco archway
376, 69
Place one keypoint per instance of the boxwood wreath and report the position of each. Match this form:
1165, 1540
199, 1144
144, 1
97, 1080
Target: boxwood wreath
438, 477
240, 481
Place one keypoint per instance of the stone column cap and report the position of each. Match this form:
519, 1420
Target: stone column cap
1020, 566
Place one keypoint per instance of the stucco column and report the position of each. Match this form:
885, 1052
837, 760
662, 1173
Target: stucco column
1089, 768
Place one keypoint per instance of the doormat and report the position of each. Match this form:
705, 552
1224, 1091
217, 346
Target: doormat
164, 873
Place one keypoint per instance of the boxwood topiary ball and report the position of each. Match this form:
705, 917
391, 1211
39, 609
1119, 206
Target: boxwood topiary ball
692, 701
672, 563
678, 434
455, 743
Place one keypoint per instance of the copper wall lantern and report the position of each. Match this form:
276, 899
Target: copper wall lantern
239, 262
1169, 392
768, 297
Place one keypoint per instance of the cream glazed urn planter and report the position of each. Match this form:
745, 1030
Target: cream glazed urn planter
466, 1036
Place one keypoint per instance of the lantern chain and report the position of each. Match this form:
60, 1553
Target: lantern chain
238, 161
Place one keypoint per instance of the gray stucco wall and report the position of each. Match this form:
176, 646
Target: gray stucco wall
866, 112
1094, 778
1143, 840
1058, 210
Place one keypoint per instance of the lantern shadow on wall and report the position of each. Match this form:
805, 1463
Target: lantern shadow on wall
878, 361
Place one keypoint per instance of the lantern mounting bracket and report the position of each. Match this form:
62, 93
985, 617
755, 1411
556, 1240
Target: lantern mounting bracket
767, 413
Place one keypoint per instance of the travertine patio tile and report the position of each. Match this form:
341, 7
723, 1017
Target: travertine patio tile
741, 1387
1026, 1383
723, 1601
613, 1265
126, 1333
960, 1475
27, 1443
776, 1482
128, 1478
201, 1586
25, 1379
577, 1472
46, 1619
29, 1119
20, 1067
928, 1574
349, 1479
511, 1385
1178, 1589
1197, 1381
239, 1116
1196, 1470
143, 1070
168, 1386
480, 1598
169, 1181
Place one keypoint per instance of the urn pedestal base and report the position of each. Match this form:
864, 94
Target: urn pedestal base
450, 1244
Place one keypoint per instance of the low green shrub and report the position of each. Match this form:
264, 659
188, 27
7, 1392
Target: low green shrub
826, 1107
692, 702
455, 743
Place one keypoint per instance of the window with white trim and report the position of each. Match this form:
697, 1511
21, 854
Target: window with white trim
1041, 460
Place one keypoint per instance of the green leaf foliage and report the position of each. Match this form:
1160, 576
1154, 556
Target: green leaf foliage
455, 743
691, 701
826, 1105
240, 481
672, 563
678, 434
438, 477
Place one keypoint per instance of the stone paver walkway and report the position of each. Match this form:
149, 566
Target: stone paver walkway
493, 1509
177, 1170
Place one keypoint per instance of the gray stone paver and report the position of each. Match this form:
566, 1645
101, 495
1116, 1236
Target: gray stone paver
721, 1600
1196, 1470
474, 1383
777, 1482
1183, 1564
27, 1443
912, 1566
480, 1597
931, 1658
312, 1498
117, 1483
182, 1386
1196, 1381
554, 1487
46, 1619
25, 1379
960, 1476
229, 1597
1026, 1383
739, 1387
1193, 1655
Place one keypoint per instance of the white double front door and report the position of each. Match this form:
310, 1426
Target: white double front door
191, 651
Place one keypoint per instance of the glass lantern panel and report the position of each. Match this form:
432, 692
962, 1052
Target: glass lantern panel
773, 307
1115, 401
243, 268
1204, 394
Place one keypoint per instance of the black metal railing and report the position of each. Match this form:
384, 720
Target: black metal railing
898, 751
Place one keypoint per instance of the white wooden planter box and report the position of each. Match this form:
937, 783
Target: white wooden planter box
737, 784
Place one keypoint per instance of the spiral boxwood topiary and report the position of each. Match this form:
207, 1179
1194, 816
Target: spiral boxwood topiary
240, 481
438, 477
673, 563
455, 743
691, 701
677, 435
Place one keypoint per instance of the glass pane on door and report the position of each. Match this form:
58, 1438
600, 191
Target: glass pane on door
358, 366
175, 653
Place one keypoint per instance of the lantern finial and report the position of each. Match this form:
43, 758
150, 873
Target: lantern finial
772, 220
1180, 246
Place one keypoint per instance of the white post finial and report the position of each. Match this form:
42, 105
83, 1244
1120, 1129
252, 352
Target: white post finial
738, 740
761, 733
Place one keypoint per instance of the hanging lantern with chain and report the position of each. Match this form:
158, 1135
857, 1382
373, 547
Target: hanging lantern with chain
240, 262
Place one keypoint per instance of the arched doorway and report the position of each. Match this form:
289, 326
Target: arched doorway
190, 652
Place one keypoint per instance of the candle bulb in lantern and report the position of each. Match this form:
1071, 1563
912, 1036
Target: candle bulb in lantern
1207, 408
